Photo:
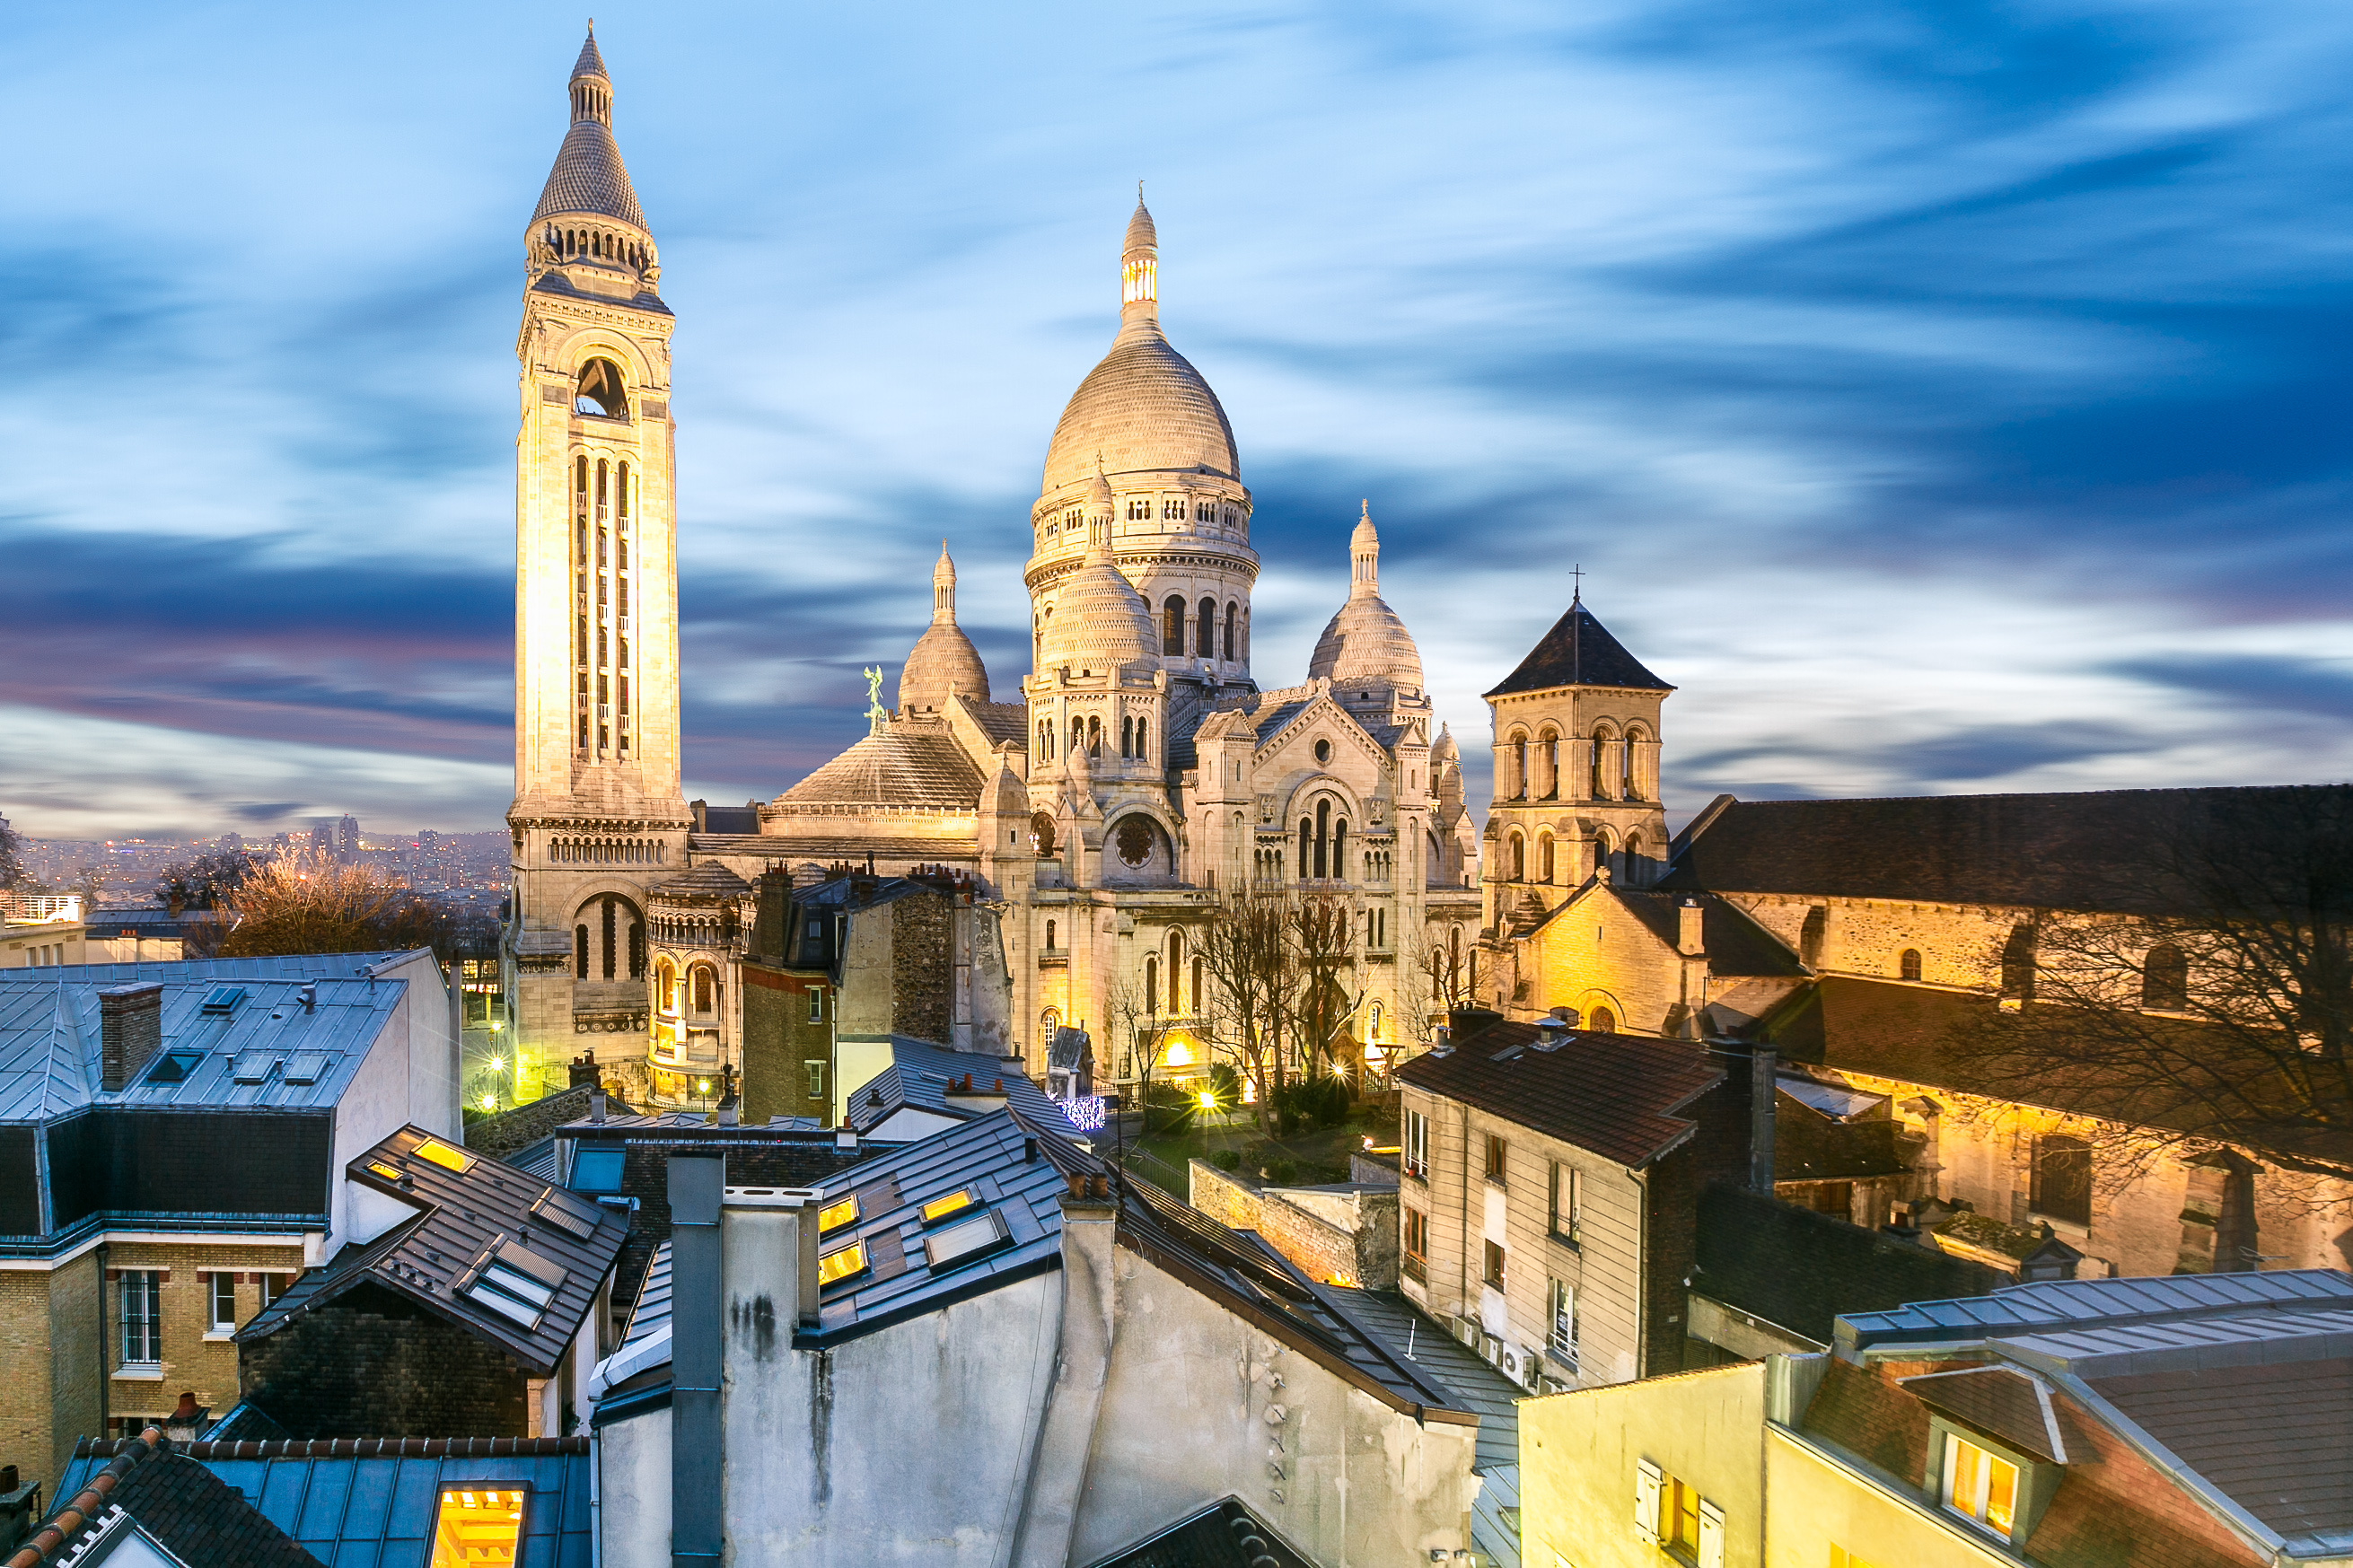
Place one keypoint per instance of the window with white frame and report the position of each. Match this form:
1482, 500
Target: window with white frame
1979, 1486
221, 1290
816, 1006
1417, 1143
1568, 1204
139, 1317
1561, 1341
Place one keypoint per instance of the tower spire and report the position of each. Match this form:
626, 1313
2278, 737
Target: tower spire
1364, 556
943, 588
1139, 266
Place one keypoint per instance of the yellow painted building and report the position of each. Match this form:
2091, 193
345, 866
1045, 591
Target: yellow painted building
1612, 1476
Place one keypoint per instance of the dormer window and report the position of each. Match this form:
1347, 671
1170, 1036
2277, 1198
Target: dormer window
1981, 1486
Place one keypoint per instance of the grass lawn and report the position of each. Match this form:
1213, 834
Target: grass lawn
1307, 1157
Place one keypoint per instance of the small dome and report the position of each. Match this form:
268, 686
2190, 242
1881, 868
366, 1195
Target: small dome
1366, 646
1445, 750
943, 660
1099, 622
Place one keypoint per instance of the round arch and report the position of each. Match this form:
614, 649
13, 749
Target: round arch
608, 937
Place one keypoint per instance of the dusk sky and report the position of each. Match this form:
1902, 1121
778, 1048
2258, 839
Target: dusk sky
1945, 398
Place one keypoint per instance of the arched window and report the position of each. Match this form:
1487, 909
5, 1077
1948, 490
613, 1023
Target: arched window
1603, 1022
1634, 859
600, 390
1598, 786
636, 947
1519, 858
1519, 767
580, 952
1204, 638
1196, 984
1544, 857
1176, 971
1603, 849
1152, 986
1322, 838
1143, 753
1172, 626
1127, 736
2165, 979
1307, 844
1633, 776
1042, 828
1340, 847
666, 987
702, 988
1549, 766
1232, 610
1907, 963
1049, 1021
1095, 736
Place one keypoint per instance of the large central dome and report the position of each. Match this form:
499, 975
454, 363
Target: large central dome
1145, 407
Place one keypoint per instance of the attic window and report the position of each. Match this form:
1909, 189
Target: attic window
834, 1216
253, 1066
518, 1283
305, 1066
223, 999
554, 1210
476, 1528
443, 1155
1323, 751
389, 1172
597, 1170
176, 1066
840, 1264
965, 1240
939, 1209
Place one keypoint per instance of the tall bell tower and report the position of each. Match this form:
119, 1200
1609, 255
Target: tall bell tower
598, 815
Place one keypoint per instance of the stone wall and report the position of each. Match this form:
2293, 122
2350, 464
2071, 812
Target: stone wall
922, 965
371, 1363
510, 1131
1340, 1235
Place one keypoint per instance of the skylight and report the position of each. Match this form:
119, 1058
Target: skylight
940, 1209
517, 1283
174, 1066
223, 999
476, 1528
443, 1155
253, 1066
554, 1211
597, 1170
834, 1216
842, 1263
965, 1240
305, 1066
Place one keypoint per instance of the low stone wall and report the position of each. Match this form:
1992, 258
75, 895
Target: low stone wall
1342, 1235
1229, 1199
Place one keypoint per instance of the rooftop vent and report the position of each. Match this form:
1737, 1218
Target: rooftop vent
306, 1067
222, 1000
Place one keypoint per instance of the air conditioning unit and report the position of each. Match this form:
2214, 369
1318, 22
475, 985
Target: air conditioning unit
1531, 1373
1514, 1362
1467, 1330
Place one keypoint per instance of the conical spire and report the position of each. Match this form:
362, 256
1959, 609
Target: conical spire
943, 588
590, 64
1139, 266
589, 179
1364, 557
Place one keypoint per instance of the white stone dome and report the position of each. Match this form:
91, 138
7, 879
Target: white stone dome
1099, 621
1366, 645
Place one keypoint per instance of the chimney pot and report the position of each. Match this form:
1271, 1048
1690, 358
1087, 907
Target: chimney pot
597, 1103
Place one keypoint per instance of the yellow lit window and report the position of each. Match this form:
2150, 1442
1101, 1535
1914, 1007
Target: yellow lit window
388, 1173
940, 1209
442, 1155
476, 1528
842, 1263
1980, 1486
1682, 1521
834, 1216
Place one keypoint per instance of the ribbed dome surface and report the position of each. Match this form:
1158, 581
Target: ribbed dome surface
1100, 621
942, 660
893, 767
1445, 750
588, 177
1366, 644
1142, 407
709, 880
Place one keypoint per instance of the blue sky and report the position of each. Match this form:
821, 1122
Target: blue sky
1945, 398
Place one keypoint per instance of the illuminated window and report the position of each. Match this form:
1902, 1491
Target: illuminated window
834, 1216
842, 1263
443, 1155
1979, 1486
476, 1528
940, 1209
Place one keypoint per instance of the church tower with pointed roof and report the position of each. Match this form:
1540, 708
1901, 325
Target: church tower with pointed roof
597, 816
1576, 774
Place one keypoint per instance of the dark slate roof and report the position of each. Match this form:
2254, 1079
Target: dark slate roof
760, 1155
1800, 1270
178, 1502
1616, 1094
1223, 1535
919, 1075
1461, 1379
2102, 850
1579, 651
2278, 1438
372, 1501
2002, 1402
468, 1219
730, 820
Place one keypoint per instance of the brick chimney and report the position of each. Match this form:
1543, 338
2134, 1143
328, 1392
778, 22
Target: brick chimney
129, 1029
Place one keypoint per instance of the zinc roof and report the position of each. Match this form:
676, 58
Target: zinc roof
51, 1036
2075, 1305
919, 1075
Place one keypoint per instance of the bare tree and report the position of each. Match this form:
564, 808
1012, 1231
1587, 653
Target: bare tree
1129, 1017
12, 856
2201, 996
1247, 952
306, 901
1436, 968
1323, 935
209, 881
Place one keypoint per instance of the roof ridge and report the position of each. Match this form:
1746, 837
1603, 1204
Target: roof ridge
88, 1503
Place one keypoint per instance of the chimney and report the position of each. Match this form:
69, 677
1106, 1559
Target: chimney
130, 1027
730, 1113
309, 993
597, 1103
1689, 941
1464, 1021
1762, 1089
698, 1319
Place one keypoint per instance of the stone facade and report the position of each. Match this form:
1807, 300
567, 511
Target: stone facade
1344, 1233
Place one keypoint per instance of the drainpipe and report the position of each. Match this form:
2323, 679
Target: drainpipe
698, 1453
1762, 1060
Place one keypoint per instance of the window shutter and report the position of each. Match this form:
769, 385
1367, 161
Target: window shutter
1646, 1501
1711, 1535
